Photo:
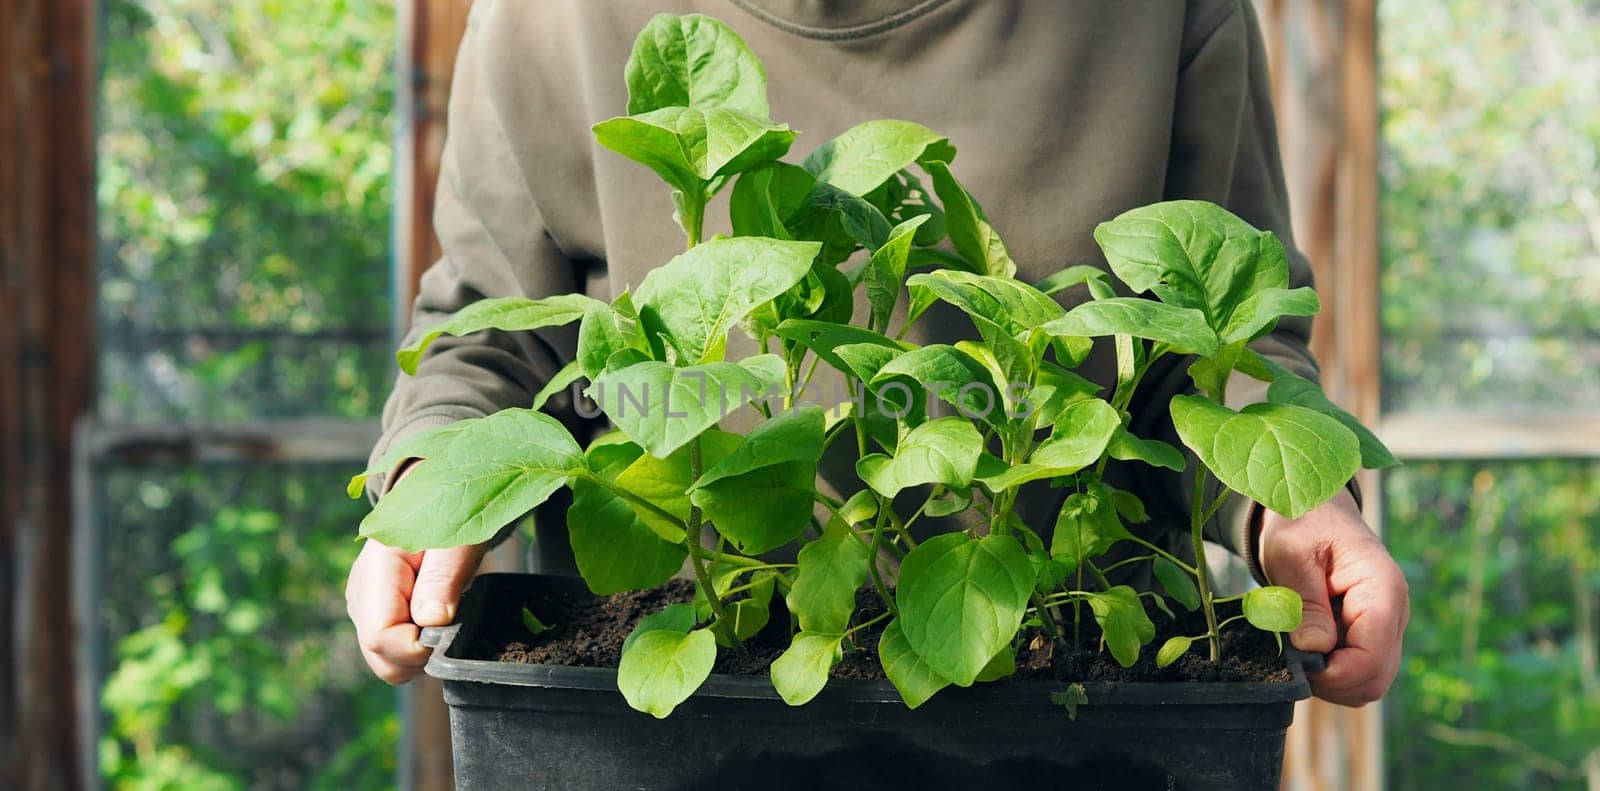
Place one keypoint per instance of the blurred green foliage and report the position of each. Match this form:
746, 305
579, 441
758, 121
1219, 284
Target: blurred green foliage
245, 156
1491, 302
245, 152
1499, 688
1490, 167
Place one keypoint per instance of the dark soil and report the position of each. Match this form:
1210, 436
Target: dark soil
588, 632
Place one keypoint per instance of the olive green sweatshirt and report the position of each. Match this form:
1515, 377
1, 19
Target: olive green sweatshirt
1064, 112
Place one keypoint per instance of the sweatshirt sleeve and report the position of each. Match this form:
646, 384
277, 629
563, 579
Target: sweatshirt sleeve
495, 244
1225, 150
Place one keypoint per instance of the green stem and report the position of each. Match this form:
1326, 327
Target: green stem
864, 624
702, 573
634, 499
875, 553
1202, 574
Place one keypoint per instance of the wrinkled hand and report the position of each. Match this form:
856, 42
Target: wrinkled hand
392, 593
1330, 553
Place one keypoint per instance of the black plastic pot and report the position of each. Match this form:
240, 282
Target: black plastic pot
517, 726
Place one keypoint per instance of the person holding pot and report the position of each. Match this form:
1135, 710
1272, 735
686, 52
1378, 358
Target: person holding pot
1065, 114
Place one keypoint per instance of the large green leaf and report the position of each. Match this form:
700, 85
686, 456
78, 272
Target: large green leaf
830, 571
1082, 432
614, 548
511, 314
487, 475
1288, 388
865, 156
961, 600
886, 272
689, 147
1193, 254
939, 451
663, 668
1288, 458
791, 435
1260, 310
801, 671
949, 373
762, 509
421, 445
662, 407
693, 61
1184, 329
1123, 621
1086, 527
915, 679
970, 232
701, 294
1010, 304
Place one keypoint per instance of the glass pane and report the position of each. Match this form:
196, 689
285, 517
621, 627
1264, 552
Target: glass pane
228, 660
1499, 687
1491, 218
244, 202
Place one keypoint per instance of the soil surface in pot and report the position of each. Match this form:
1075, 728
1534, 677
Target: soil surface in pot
587, 631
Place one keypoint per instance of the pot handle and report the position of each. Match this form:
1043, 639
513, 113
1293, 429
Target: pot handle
1310, 661
433, 636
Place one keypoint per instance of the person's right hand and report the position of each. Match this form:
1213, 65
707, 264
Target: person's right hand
392, 593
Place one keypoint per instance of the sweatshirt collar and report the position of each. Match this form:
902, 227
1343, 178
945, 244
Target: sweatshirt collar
837, 19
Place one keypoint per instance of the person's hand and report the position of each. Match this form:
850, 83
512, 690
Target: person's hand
1327, 555
391, 593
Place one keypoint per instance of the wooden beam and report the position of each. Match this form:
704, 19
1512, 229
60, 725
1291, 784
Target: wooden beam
431, 32
1471, 435
1324, 65
47, 320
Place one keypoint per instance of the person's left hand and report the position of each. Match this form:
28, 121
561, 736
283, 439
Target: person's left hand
1326, 554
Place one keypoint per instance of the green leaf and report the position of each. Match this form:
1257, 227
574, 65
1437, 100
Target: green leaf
1261, 310
614, 548
802, 670
842, 221
939, 451
1273, 608
831, 570
569, 373
762, 509
1082, 431
1287, 458
664, 481
692, 147
1184, 329
792, 435
1070, 699
1123, 621
1086, 527
662, 669
1177, 583
865, 156
1193, 254
606, 330
911, 675
1127, 447
489, 474
960, 600
511, 314
1003, 665
1072, 276
970, 232
662, 407
949, 373
701, 294
1010, 304
1288, 388
823, 338
1173, 650
694, 61
886, 271
420, 445
675, 618
532, 623
749, 615
766, 199
863, 361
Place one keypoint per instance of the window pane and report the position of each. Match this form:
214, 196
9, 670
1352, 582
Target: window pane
227, 657
1499, 688
245, 199
1491, 219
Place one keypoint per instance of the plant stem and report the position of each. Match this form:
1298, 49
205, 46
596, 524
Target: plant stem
1202, 574
693, 210
697, 556
875, 552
